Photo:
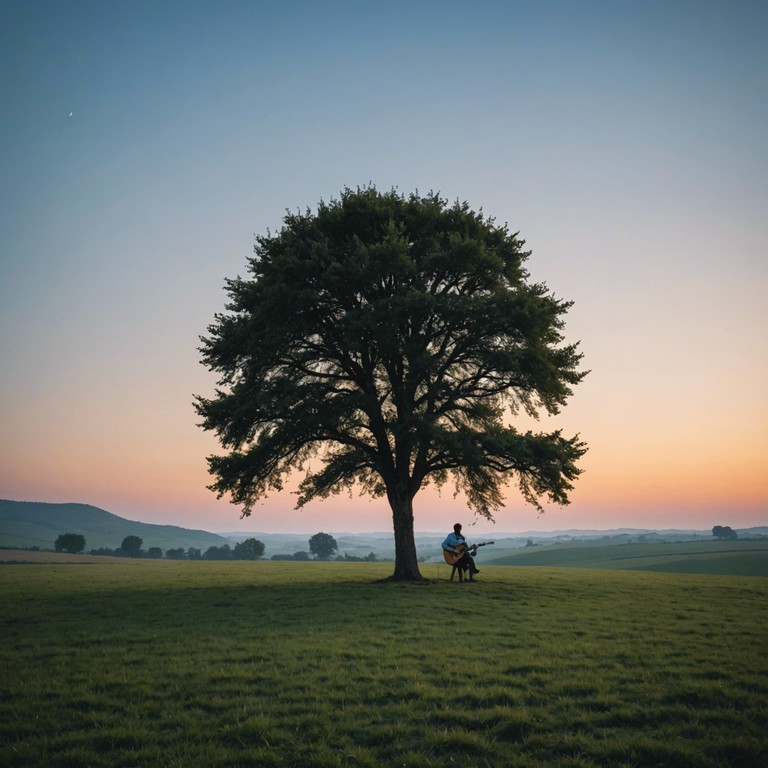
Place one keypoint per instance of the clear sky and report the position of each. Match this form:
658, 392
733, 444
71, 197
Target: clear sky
143, 144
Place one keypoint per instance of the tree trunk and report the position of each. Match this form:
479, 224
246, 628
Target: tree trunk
406, 564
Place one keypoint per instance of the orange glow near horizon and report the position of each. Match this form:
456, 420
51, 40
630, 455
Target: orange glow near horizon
636, 471
613, 492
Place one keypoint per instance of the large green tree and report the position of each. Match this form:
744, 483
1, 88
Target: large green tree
70, 542
395, 337
131, 546
322, 545
250, 549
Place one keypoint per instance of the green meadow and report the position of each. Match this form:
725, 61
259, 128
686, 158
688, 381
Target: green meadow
318, 664
742, 557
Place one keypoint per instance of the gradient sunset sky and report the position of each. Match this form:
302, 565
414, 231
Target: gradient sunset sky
143, 144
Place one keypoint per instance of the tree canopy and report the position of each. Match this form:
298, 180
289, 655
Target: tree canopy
322, 545
131, 546
249, 549
70, 542
396, 338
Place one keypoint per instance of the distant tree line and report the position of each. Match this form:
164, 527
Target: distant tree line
322, 546
70, 542
130, 547
250, 549
345, 558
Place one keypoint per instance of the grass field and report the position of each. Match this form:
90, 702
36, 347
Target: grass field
734, 558
316, 664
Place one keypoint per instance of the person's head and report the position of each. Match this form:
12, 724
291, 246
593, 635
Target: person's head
457, 528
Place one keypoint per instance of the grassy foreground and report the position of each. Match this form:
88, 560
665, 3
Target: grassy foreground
314, 664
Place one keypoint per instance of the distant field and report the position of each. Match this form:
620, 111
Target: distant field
737, 558
316, 664
37, 557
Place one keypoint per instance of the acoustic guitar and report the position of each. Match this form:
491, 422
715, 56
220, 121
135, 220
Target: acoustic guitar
452, 558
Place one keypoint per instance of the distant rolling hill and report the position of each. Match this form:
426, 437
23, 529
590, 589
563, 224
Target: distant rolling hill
37, 524
28, 524
738, 558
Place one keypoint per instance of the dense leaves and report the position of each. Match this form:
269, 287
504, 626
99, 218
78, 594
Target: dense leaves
322, 545
249, 549
394, 337
131, 546
70, 542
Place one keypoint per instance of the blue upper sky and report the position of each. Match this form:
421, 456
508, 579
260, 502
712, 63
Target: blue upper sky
143, 144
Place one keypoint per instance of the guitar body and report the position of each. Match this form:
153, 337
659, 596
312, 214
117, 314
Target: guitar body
452, 558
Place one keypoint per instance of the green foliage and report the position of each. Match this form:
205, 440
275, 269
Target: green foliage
557, 667
131, 546
724, 532
250, 549
322, 545
393, 336
155, 553
218, 553
70, 542
347, 558
176, 554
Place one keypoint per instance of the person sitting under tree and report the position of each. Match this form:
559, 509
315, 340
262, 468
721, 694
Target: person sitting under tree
456, 544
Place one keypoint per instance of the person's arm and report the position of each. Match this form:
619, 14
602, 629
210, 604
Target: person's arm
449, 545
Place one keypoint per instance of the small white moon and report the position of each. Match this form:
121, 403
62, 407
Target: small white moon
71, 113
